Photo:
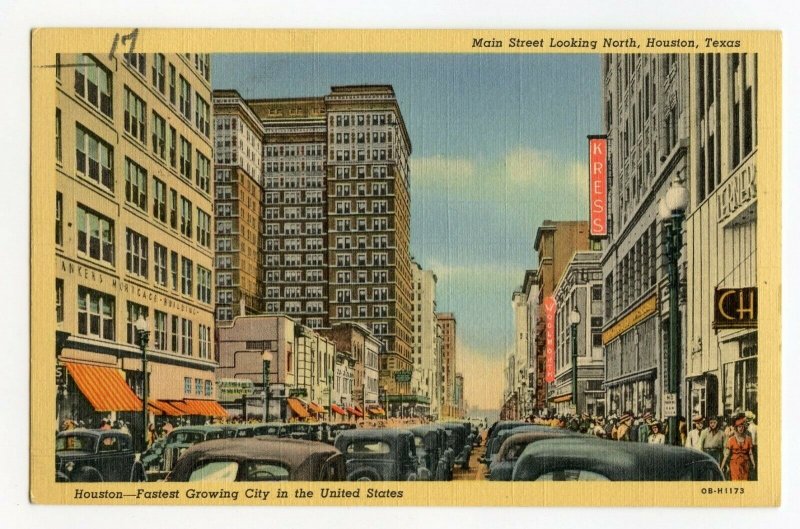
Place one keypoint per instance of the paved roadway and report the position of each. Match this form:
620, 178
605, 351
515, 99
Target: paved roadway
476, 471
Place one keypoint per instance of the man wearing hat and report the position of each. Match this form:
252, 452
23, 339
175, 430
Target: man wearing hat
693, 438
657, 435
643, 432
624, 427
713, 439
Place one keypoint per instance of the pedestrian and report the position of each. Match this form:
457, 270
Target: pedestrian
167, 428
739, 451
693, 437
712, 439
150, 436
624, 427
656, 436
752, 429
105, 424
123, 427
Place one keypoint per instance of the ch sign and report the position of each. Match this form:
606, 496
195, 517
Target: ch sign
598, 186
550, 339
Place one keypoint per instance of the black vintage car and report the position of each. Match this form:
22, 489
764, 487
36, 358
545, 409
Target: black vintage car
161, 456
588, 458
379, 455
431, 442
493, 446
459, 442
310, 431
502, 464
273, 429
259, 459
96, 455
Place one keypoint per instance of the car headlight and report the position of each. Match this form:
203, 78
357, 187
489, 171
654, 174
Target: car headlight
69, 466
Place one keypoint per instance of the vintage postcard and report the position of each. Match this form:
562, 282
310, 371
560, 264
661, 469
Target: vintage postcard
405, 267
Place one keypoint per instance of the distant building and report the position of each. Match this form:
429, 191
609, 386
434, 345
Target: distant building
425, 354
447, 321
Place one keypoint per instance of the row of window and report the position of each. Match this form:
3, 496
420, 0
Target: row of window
294, 167
96, 317
292, 197
345, 207
346, 242
360, 137
201, 387
314, 149
294, 182
378, 259
378, 224
310, 276
633, 275
361, 190
347, 120
361, 155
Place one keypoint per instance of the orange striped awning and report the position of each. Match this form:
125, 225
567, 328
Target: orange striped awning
354, 411
376, 410
165, 408
104, 387
316, 408
338, 409
297, 408
562, 398
208, 408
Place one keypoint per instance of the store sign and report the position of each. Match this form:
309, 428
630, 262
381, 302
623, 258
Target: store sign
670, 405
598, 186
550, 339
738, 191
230, 389
735, 308
640, 313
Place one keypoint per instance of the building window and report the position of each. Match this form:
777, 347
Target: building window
59, 219
198, 386
95, 314
59, 300
172, 83
137, 61
159, 200
186, 217
135, 185
203, 170
173, 209
94, 158
185, 101
159, 136
203, 228
204, 335
158, 71
95, 235
93, 84
160, 331
186, 337
160, 264
173, 146
186, 159
134, 311
136, 255
58, 135
203, 284
135, 116
186, 276
174, 332
202, 115
209, 389
187, 385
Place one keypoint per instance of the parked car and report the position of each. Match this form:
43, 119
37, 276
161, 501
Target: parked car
431, 442
493, 447
160, 457
336, 428
259, 459
379, 455
274, 429
588, 458
310, 431
96, 455
502, 466
459, 442
500, 426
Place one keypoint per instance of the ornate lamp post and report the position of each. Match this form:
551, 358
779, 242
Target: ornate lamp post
671, 210
143, 335
574, 320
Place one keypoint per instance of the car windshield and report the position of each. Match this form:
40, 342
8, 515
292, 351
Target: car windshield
264, 471
369, 447
191, 437
85, 443
572, 475
215, 471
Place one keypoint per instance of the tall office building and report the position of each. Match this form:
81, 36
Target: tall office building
237, 207
447, 321
424, 356
295, 262
133, 234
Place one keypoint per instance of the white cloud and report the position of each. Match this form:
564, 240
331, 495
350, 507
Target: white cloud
436, 168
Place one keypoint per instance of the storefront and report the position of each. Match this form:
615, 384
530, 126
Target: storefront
740, 374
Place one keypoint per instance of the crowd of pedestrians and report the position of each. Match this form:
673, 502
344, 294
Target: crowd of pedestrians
732, 441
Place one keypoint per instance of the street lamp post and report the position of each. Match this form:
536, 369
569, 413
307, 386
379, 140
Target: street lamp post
143, 333
671, 211
574, 320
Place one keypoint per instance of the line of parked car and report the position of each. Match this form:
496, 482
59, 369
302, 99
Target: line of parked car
519, 451
272, 451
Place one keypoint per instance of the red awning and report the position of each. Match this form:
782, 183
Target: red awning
353, 411
297, 408
377, 410
338, 409
104, 387
315, 408
207, 408
165, 408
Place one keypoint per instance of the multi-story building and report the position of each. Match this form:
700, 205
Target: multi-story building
721, 365
133, 234
369, 222
580, 289
237, 207
556, 242
646, 121
517, 359
458, 397
364, 347
427, 365
447, 321
530, 289
295, 262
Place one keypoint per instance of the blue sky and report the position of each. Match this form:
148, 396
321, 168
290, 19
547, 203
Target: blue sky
499, 145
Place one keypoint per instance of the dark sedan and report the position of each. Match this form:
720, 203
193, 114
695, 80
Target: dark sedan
96, 455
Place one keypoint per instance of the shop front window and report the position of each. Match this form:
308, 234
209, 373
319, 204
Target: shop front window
741, 386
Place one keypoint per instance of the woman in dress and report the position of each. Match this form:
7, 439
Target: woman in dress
739, 452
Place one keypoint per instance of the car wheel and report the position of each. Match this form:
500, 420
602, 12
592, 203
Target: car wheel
88, 475
363, 475
137, 473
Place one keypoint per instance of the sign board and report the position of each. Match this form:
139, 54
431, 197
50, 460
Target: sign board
669, 407
402, 376
550, 339
231, 389
735, 308
598, 186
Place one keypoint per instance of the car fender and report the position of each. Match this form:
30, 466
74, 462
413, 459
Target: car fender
87, 475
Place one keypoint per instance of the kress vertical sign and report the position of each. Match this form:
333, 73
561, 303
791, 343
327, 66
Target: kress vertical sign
550, 339
598, 187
